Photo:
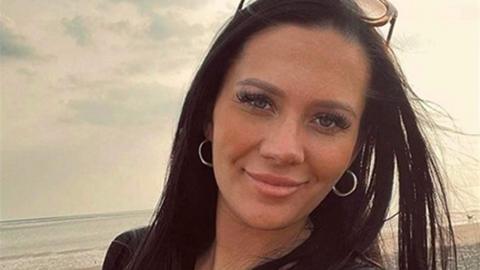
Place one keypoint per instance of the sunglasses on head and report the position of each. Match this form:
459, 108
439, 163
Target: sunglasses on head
376, 13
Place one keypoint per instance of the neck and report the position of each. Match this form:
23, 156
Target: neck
240, 246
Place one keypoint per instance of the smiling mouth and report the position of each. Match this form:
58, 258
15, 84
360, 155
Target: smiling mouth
274, 185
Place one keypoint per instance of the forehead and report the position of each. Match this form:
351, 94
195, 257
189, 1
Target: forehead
294, 57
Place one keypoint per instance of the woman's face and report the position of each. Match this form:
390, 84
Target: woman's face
286, 122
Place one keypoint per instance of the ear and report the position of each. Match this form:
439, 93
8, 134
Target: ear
208, 131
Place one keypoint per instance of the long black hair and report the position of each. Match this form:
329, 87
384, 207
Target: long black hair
392, 147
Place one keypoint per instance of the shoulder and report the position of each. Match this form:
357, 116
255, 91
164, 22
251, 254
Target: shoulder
121, 249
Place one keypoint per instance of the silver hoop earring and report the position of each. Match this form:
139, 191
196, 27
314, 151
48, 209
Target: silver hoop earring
200, 154
355, 182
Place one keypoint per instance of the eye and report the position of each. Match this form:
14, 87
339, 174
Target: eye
326, 121
255, 100
331, 121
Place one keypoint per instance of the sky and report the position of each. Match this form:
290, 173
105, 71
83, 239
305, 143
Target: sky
91, 92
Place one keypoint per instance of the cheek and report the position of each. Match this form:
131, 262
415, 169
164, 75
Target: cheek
328, 163
233, 139
332, 156
235, 134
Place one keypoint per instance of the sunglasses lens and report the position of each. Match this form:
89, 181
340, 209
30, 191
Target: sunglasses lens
373, 9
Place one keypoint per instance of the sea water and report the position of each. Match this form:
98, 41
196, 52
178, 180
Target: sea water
77, 242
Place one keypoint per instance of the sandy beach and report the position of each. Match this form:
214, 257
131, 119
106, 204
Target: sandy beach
465, 235
467, 238
82, 243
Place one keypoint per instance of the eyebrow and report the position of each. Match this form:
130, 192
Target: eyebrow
274, 90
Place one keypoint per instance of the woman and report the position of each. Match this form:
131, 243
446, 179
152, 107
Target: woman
291, 137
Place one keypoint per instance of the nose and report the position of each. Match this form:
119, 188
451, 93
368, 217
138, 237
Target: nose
283, 144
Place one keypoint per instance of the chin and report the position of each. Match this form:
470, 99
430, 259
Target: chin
269, 221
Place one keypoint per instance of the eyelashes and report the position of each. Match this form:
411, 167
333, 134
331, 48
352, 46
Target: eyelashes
332, 119
255, 100
326, 121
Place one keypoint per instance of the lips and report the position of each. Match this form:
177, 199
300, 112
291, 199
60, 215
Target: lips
274, 185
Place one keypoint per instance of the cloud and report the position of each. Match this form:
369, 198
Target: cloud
26, 73
147, 5
120, 27
128, 105
167, 19
77, 29
13, 45
167, 26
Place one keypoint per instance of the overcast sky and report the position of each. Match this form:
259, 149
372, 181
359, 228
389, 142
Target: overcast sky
91, 91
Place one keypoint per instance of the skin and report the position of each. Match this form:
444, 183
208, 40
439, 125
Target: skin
289, 132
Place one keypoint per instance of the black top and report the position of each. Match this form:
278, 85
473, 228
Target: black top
122, 247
